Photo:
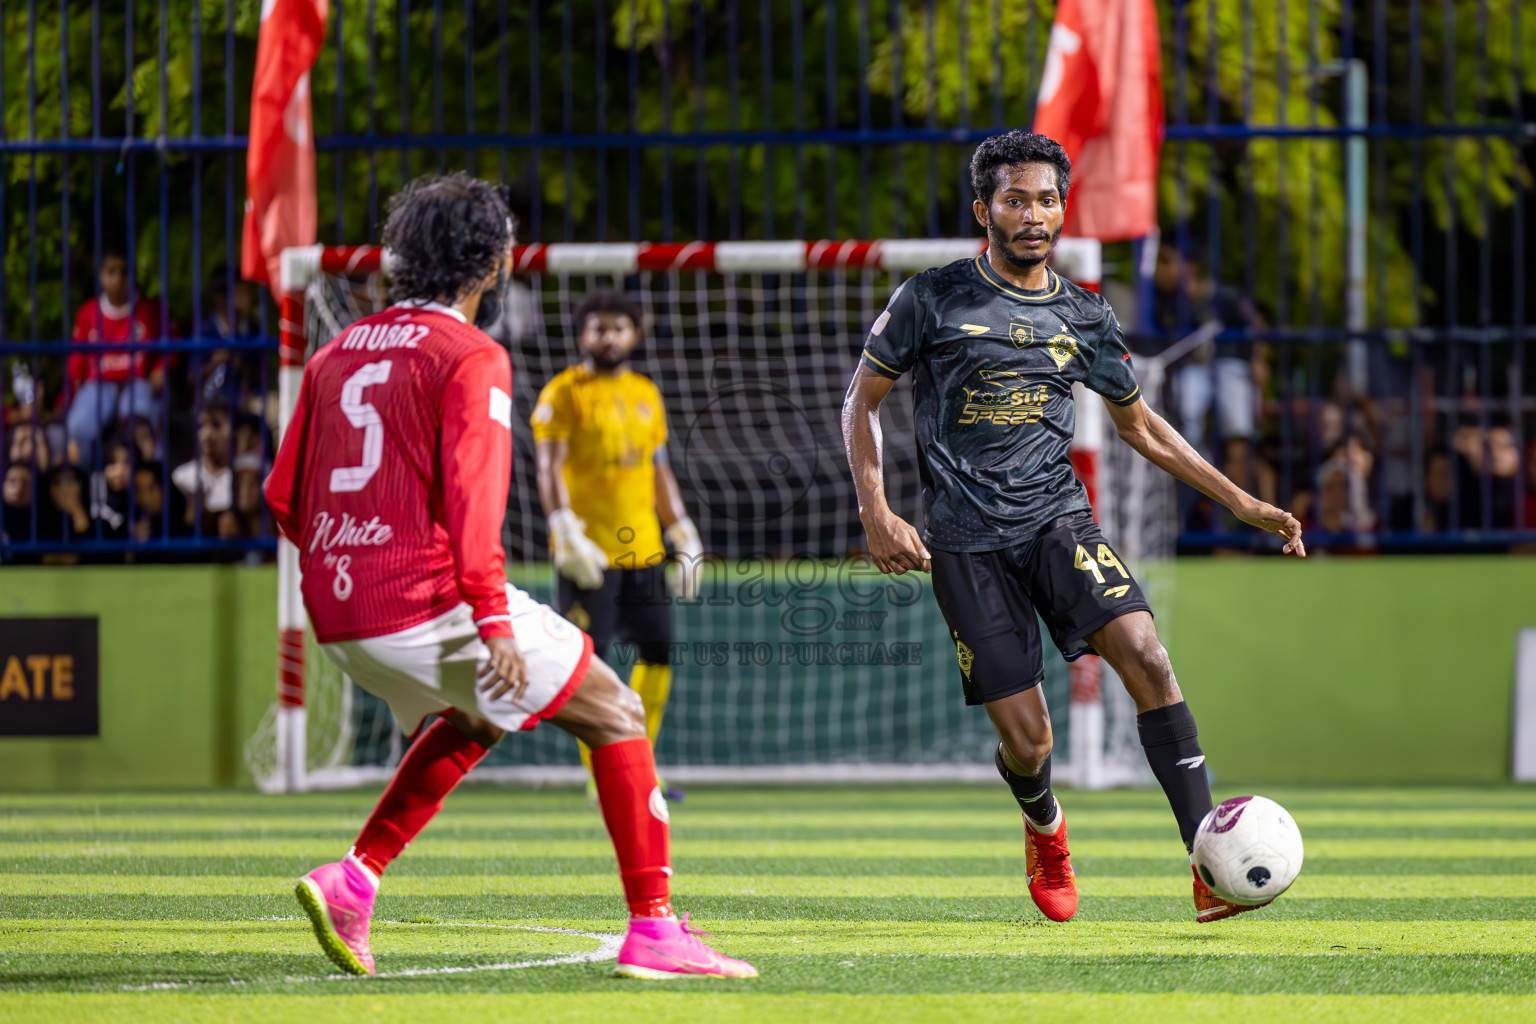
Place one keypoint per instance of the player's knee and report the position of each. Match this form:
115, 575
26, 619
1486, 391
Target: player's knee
1142, 648
628, 712
1155, 661
1153, 670
622, 713
1025, 752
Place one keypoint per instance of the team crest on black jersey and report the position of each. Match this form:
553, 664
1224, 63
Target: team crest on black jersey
1058, 343
1063, 348
1021, 331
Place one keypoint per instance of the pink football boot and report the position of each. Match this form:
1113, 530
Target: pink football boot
339, 901
664, 947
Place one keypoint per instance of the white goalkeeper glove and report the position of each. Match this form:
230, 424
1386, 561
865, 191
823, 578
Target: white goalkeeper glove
577, 557
688, 571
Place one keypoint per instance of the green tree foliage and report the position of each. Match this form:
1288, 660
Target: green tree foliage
1284, 67
530, 73
1279, 64
58, 85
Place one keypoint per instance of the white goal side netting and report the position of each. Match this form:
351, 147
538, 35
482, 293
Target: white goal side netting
796, 664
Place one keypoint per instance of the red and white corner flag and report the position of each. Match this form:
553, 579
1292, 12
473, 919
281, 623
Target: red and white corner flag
280, 206
1101, 98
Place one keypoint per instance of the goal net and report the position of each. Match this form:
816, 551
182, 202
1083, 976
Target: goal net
797, 663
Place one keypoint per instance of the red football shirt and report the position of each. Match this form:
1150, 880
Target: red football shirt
93, 327
392, 478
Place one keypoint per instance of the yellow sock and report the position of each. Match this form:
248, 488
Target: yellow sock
586, 755
653, 683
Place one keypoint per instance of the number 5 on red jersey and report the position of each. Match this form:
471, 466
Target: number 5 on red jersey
415, 502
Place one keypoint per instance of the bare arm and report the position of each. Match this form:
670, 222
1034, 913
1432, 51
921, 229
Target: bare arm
862, 439
550, 459
1161, 445
669, 499
893, 542
686, 579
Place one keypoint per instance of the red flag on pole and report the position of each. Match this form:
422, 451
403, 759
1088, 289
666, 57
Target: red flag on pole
1101, 98
280, 205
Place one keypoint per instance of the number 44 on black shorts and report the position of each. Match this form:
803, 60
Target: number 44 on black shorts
1067, 573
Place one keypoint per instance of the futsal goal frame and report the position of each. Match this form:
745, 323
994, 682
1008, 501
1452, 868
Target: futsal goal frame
1077, 259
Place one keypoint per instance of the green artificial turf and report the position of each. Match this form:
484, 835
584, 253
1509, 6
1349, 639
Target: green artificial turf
881, 905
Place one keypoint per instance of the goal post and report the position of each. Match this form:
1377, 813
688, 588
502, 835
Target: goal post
277, 754
752, 344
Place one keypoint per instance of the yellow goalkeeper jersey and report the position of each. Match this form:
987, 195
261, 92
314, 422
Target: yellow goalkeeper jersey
612, 426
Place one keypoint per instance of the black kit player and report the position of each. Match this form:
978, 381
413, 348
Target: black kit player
995, 344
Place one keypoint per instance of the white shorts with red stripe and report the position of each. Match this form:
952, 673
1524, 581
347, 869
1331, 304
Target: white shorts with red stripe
432, 667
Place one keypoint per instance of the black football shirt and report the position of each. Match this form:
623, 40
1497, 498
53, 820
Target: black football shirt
993, 368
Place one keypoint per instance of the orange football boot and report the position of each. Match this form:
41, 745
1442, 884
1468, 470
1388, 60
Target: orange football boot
1210, 907
1048, 868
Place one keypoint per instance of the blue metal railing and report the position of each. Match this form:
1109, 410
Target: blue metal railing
709, 139
124, 126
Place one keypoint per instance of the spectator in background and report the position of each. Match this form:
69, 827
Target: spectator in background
250, 471
113, 385
1337, 496
155, 517
234, 376
1455, 476
518, 319
207, 482
66, 518
1437, 492
1343, 487
28, 443
30, 436
109, 488
16, 498
1493, 453
1185, 298
140, 435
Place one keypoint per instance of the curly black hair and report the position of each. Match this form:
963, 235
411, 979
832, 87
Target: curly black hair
613, 302
445, 234
1010, 149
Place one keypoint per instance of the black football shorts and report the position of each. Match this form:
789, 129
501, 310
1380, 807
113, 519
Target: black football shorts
632, 606
1068, 572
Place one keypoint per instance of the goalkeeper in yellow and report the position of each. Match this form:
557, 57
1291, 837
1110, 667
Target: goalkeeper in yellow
600, 434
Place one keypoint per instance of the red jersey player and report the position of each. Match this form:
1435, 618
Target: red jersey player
392, 481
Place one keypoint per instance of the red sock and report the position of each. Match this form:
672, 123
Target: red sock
436, 762
636, 816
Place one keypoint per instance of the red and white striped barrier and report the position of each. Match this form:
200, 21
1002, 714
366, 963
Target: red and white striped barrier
1078, 259
300, 265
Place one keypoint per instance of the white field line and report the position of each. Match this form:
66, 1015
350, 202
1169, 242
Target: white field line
607, 949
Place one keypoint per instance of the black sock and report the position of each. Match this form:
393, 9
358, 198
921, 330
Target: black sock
1172, 744
1033, 792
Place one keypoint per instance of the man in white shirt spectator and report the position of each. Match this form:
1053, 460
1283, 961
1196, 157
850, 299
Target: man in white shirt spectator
208, 481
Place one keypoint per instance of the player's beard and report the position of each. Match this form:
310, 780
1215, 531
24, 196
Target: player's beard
1000, 242
603, 361
491, 302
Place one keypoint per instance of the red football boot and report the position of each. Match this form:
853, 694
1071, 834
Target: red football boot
1210, 907
1048, 867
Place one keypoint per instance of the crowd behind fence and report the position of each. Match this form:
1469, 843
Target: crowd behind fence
1336, 306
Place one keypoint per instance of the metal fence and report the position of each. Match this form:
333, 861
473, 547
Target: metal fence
1343, 204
